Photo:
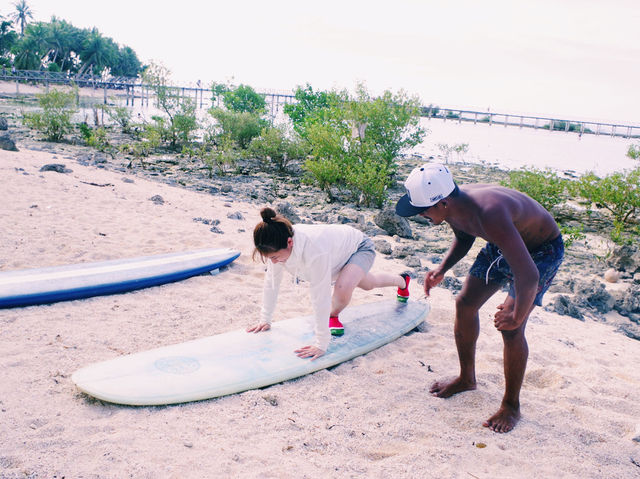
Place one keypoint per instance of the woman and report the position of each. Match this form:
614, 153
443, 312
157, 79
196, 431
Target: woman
318, 254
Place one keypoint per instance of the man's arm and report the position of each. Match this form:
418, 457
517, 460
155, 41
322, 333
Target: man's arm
501, 231
461, 245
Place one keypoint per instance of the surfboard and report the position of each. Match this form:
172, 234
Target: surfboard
237, 361
60, 283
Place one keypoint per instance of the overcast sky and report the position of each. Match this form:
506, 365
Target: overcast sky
568, 58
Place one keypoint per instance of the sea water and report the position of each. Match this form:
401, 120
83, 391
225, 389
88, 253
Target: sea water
513, 147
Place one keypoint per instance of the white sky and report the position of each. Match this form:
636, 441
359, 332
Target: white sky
577, 59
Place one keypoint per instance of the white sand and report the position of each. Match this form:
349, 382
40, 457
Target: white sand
370, 417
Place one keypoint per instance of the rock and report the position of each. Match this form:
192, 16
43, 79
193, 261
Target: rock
157, 199
636, 278
563, 305
403, 251
235, 216
393, 224
592, 295
285, 209
57, 167
7, 143
4, 125
625, 258
452, 284
629, 302
631, 330
611, 275
412, 262
382, 246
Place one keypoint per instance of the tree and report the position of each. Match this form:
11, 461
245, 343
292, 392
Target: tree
54, 121
98, 52
127, 63
8, 39
31, 49
244, 99
179, 110
355, 140
22, 13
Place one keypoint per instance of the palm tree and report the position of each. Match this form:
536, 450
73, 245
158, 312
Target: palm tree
23, 12
98, 52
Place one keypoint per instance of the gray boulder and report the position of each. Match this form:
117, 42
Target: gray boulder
4, 125
285, 209
7, 143
57, 167
625, 258
393, 224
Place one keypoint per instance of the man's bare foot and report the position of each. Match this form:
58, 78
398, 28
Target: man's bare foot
504, 420
445, 389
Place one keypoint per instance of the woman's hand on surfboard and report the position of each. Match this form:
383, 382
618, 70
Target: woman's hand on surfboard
259, 327
309, 352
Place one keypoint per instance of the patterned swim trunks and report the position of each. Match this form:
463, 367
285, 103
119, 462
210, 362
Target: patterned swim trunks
491, 266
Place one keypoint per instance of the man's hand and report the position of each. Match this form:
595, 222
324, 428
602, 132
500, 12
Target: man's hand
259, 327
431, 279
503, 319
309, 352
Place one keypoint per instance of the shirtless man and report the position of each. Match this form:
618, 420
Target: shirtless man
524, 249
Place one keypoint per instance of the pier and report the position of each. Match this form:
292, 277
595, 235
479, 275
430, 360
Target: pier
132, 90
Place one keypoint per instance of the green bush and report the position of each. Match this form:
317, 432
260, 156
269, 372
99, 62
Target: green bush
309, 104
54, 121
241, 127
223, 156
355, 141
275, 147
619, 193
544, 186
634, 152
244, 99
95, 138
150, 140
180, 122
120, 115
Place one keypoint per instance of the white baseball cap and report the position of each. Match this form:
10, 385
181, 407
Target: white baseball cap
426, 185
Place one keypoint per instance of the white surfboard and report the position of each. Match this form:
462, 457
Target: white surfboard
237, 361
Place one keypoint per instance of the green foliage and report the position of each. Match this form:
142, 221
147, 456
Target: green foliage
619, 193
571, 234
355, 140
544, 186
180, 123
275, 147
459, 149
120, 115
59, 46
54, 121
309, 104
223, 156
565, 126
634, 152
218, 90
150, 140
430, 111
95, 138
244, 99
241, 127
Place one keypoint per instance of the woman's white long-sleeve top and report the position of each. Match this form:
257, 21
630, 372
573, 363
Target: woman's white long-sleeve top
319, 253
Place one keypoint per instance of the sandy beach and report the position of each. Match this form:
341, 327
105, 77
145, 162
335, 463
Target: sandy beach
371, 417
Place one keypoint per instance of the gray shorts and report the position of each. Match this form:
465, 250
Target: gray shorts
364, 255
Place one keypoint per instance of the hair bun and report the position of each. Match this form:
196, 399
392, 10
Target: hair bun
267, 214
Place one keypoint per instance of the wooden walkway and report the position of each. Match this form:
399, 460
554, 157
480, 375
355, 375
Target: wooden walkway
133, 89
